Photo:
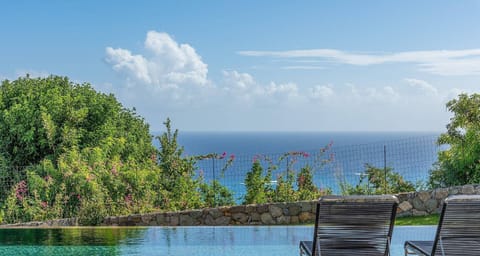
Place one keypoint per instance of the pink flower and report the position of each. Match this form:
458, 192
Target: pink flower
114, 170
21, 190
43, 204
305, 154
223, 155
128, 199
79, 197
232, 157
48, 178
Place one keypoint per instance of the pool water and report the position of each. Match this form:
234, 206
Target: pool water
204, 241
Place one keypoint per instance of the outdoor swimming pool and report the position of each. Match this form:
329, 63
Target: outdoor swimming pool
205, 241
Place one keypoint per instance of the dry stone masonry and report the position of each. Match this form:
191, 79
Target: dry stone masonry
411, 204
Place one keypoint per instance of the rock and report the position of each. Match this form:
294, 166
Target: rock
293, 210
262, 208
468, 190
305, 206
195, 214
275, 211
209, 221
431, 205
222, 221
424, 195
215, 213
405, 206
186, 220
402, 197
250, 208
418, 204
255, 216
306, 217
283, 220
294, 220
173, 220
240, 217
441, 193
160, 217
237, 209
267, 219
419, 213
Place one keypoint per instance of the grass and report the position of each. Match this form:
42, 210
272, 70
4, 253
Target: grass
417, 220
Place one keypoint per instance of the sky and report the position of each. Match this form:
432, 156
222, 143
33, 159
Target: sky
256, 65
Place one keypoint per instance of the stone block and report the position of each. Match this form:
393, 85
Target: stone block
419, 213
306, 217
267, 219
237, 209
284, 220
405, 206
215, 213
293, 210
196, 214
431, 205
424, 195
468, 190
294, 220
240, 217
418, 204
441, 193
275, 211
261, 208
222, 221
305, 206
255, 216
209, 221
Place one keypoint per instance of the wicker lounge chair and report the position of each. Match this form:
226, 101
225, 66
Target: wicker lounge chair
458, 232
352, 225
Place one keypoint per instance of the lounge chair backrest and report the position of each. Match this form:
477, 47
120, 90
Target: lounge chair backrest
354, 225
458, 232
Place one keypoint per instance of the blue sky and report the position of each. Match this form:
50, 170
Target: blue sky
256, 65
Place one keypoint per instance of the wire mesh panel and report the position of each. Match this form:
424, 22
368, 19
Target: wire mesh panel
332, 165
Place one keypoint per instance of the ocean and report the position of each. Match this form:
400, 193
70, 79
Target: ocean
411, 154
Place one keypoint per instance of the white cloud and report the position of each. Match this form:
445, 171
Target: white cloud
321, 92
167, 64
244, 88
422, 85
443, 62
305, 67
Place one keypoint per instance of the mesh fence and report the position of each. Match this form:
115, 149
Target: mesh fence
412, 158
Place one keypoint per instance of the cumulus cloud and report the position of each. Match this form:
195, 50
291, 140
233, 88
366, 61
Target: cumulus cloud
242, 86
166, 64
422, 85
321, 92
444, 62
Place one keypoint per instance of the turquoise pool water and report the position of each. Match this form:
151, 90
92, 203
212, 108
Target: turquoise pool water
201, 241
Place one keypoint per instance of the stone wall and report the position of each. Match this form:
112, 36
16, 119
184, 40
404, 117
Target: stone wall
411, 204
428, 202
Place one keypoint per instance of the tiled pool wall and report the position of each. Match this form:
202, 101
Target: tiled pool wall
411, 204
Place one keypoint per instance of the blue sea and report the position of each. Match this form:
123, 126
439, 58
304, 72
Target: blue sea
411, 154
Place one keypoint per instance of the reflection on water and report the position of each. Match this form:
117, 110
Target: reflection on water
211, 241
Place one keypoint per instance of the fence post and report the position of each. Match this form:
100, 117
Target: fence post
385, 166
213, 184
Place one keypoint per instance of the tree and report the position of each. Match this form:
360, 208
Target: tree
379, 181
42, 118
460, 163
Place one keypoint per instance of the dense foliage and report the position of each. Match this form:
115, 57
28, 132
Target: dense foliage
69, 151
460, 164
378, 181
